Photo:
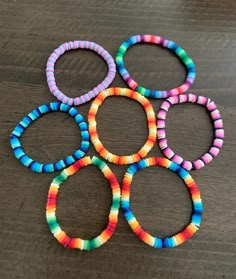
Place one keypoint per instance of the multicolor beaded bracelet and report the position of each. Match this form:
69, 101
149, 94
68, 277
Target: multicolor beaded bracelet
92, 93
55, 228
217, 123
122, 160
36, 114
156, 94
188, 231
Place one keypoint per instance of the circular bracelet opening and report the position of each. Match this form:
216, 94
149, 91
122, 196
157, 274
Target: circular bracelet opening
59, 234
156, 94
92, 93
51, 138
33, 116
128, 159
162, 66
217, 142
160, 206
188, 231
127, 118
78, 71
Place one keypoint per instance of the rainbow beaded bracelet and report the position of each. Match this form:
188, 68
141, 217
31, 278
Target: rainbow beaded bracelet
92, 93
217, 123
123, 92
156, 94
36, 114
188, 231
55, 228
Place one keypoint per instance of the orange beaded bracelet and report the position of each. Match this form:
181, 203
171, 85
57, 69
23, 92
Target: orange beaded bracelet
128, 159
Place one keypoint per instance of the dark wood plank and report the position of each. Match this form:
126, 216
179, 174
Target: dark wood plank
29, 31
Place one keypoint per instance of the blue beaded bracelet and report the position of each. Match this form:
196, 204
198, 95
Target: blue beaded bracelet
36, 114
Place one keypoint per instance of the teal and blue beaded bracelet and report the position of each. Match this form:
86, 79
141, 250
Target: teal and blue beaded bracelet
36, 114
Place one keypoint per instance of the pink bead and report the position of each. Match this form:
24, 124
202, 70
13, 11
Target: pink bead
163, 143
165, 105
202, 100
160, 124
214, 151
132, 83
157, 39
174, 92
218, 124
218, 143
215, 114
211, 106
219, 133
207, 158
183, 98
168, 152
183, 88
192, 98
177, 159
161, 114
198, 164
187, 165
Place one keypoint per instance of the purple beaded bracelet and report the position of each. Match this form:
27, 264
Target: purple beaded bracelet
217, 123
92, 93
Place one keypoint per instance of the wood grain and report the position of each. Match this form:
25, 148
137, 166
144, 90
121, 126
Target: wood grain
29, 31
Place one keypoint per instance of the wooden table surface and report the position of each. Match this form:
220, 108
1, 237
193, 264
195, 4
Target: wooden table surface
30, 31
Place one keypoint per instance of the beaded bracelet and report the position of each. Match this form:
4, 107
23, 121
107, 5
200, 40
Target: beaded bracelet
188, 231
55, 228
122, 160
36, 114
156, 94
217, 123
92, 93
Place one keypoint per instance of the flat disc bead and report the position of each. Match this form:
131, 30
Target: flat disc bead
188, 231
172, 46
151, 121
217, 122
73, 45
33, 116
57, 231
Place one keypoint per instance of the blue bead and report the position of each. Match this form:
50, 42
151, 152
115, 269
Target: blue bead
196, 219
85, 135
64, 107
132, 169
35, 166
79, 118
158, 243
14, 141
48, 168
25, 160
182, 173
69, 160
142, 164
167, 242
36, 112
27, 121
55, 106
18, 152
83, 126
44, 109
73, 112
78, 154
84, 146
174, 167
125, 205
59, 165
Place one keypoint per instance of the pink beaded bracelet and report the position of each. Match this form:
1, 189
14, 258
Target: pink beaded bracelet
217, 123
92, 93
